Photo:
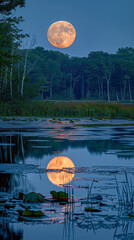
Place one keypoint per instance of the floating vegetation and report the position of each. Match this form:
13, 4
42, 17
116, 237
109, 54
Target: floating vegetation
29, 213
60, 196
92, 210
32, 197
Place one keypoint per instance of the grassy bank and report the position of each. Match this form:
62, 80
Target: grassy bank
67, 109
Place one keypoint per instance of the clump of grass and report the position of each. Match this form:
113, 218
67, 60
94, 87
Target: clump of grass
125, 194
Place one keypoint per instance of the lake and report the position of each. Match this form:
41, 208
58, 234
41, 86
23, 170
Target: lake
91, 160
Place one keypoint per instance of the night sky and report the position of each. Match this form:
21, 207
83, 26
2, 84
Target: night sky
101, 25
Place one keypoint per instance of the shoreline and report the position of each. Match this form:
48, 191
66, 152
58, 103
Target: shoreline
28, 122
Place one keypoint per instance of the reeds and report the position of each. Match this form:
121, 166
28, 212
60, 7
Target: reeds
125, 194
67, 109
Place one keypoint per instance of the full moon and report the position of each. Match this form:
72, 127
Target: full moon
62, 177
61, 34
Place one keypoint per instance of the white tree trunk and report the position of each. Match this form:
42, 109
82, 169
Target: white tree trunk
130, 94
24, 73
117, 98
108, 93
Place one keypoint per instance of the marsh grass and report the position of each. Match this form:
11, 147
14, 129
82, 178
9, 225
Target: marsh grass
53, 109
125, 193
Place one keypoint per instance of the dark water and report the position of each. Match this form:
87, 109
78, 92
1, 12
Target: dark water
98, 154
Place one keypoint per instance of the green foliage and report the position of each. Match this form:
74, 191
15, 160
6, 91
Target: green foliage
7, 6
100, 76
10, 40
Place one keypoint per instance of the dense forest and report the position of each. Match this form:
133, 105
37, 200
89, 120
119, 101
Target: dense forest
36, 73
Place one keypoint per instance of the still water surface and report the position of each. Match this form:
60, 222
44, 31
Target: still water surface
98, 155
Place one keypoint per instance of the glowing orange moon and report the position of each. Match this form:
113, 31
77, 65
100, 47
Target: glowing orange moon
61, 34
62, 177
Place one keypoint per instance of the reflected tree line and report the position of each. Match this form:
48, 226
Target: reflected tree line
14, 149
7, 232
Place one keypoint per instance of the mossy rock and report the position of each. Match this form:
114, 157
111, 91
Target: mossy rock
59, 196
33, 197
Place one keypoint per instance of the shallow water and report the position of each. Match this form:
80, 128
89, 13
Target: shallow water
98, 153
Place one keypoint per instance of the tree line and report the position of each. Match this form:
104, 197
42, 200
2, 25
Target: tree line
36, 73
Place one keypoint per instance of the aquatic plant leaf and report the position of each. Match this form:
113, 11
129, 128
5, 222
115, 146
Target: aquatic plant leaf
92, 210
33, 197
96, 197
8, 206
131, 214
59, 196
29, 213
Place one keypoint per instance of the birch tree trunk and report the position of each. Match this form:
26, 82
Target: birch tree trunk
82, 87
124, 93
4, 82
18, 79
71, 86
130, 94
102, 90
11, 85
24, 73
51, 87
11, 76
108, 92
117, 98
99, 88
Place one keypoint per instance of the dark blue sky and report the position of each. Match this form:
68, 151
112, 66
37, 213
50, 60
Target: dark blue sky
101, 25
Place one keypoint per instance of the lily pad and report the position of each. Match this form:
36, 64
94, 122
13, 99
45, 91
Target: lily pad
8, 206
59, 196
131, 214
92, 210
33, 197
29, 213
